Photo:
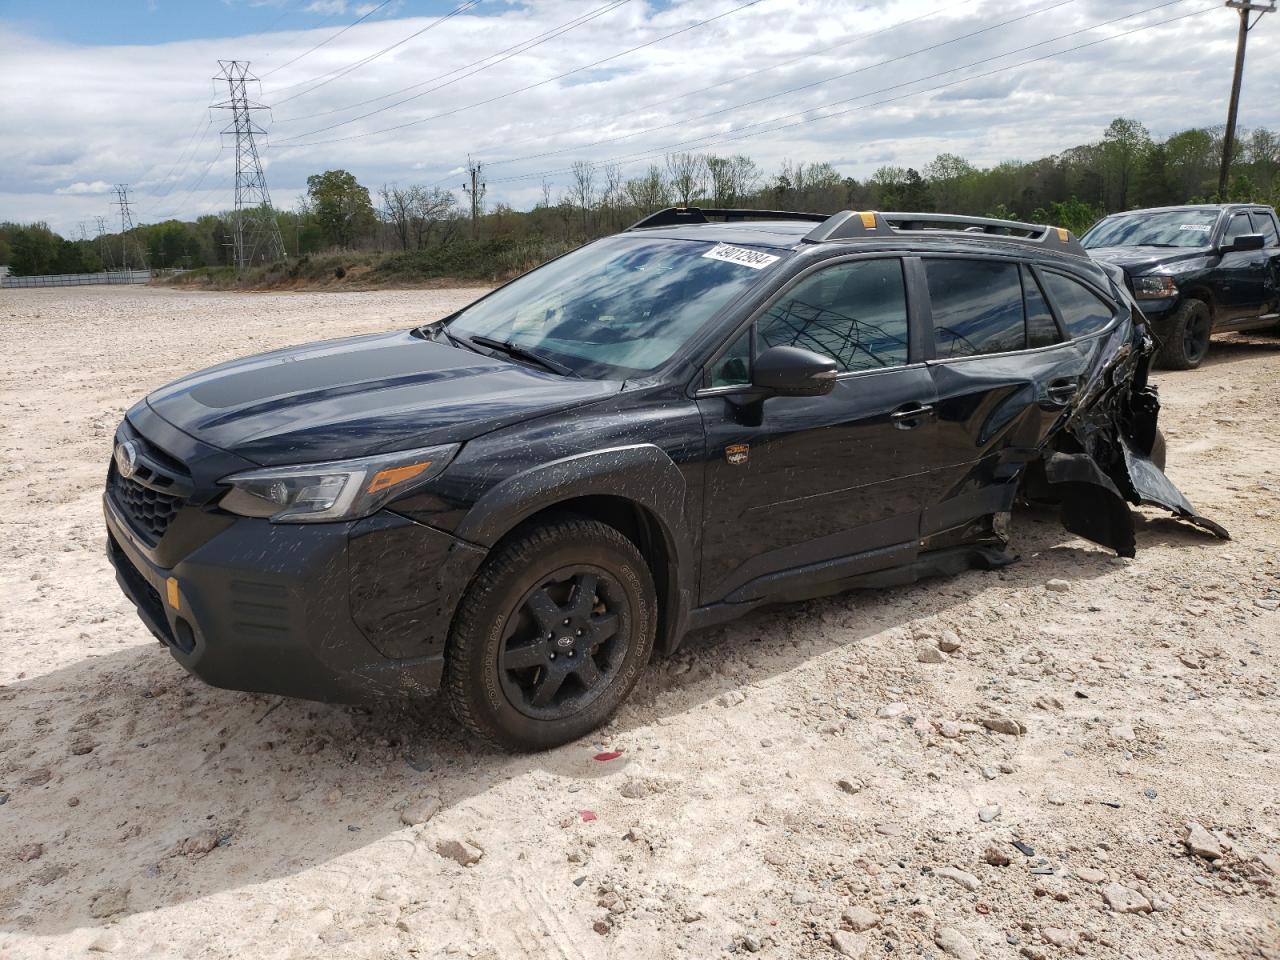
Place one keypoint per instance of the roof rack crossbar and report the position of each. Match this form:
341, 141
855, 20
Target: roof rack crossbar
675, 216
849, 225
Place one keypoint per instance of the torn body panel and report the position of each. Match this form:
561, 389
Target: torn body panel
1098, 460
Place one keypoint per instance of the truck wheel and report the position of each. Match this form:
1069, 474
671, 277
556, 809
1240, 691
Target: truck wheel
1186, 339
551, 636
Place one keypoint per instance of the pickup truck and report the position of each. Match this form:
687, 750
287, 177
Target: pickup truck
1196, 270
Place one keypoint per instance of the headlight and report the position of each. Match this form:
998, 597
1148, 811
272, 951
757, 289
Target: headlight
1153, 288
341, 490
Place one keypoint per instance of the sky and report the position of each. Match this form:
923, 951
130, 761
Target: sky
403, 91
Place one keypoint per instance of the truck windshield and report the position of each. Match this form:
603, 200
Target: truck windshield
617, 308
1170, 228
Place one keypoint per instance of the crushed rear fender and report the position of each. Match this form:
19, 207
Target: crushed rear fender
1096, 462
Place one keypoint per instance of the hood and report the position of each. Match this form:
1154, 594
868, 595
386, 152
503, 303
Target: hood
360, 396
1139, 260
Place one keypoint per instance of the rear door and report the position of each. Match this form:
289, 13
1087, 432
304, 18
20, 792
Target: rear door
1264, 222
1005, 370
798, 482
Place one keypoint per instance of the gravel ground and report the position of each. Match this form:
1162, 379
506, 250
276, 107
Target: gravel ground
998, 764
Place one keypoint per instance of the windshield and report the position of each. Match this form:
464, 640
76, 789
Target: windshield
619, 307
1172, 228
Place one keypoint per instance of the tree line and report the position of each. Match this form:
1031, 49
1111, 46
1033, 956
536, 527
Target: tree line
1124, 169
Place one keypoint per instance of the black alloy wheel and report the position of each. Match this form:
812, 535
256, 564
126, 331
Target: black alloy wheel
564, 643
552, 635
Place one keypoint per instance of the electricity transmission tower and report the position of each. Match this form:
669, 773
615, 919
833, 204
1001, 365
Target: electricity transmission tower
104, 251
476, 191
121, 191
1245, 7
255, 233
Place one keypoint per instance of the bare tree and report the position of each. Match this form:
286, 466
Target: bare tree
582, 191
650, 192
431, 207
396, 210
611, 202
688, 173
732, 178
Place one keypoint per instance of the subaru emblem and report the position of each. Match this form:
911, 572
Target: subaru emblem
127, 458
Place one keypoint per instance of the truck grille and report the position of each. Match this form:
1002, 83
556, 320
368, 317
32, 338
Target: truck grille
149, 511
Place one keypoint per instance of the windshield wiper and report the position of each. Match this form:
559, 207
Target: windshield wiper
524, 353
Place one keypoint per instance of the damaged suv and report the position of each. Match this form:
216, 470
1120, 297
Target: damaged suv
660, 431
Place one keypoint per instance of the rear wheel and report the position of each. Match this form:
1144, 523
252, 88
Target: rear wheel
1187, 334
551, 636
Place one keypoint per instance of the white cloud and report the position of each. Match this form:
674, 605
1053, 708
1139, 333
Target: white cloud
80, 188
78, 119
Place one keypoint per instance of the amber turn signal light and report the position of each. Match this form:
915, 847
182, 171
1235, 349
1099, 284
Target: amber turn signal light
393, 475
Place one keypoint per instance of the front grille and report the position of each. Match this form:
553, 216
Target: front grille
149, 511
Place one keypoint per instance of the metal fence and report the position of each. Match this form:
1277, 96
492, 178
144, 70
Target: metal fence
78, 279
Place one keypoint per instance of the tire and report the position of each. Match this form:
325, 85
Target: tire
1187, 332
1159, 451
511, 675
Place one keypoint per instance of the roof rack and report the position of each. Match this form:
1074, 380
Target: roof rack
677, 216
850, 225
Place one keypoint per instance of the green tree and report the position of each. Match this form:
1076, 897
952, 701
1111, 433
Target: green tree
341, 206
1124, 145
35, 250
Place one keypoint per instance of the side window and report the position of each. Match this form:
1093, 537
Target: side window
1238, 227
1265, 224
733, 369
1083, 312
1041, 328
854, 312
977, 307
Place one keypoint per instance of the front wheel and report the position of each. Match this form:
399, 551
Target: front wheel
1187, 333
551, 636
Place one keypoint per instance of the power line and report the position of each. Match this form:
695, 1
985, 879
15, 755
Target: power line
496, 59
738, 78
501, 96
327, 40
804, 86
740, 134
343, 71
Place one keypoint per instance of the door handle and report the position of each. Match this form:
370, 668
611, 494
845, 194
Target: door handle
909, 417
1062, 391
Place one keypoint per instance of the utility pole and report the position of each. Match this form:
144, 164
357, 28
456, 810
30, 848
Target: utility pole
126, 222
476, 191
1245, 7
256, 234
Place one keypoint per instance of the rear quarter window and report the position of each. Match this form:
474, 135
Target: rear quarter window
1082, 311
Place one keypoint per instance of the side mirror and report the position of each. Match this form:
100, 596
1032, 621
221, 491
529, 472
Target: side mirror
1246, 241
792, 372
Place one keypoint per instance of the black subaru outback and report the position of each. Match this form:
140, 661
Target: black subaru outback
1196, 271
662, 430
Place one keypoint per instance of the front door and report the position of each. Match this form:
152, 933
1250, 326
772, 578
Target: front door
838, 480
1245, 275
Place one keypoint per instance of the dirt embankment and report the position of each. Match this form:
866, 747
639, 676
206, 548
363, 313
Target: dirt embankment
997, 764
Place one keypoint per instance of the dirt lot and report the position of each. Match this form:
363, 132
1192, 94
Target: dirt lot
801, 783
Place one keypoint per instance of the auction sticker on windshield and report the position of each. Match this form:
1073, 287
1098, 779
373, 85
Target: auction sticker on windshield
741, 255
1200, 227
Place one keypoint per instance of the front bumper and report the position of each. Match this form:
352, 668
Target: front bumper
318, 611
